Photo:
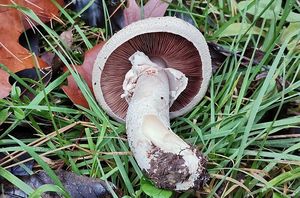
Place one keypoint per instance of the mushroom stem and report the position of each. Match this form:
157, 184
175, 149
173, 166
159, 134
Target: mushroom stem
169, 161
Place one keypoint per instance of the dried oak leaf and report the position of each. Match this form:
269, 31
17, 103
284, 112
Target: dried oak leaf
153, 8
85, 71
4, 84
12, 24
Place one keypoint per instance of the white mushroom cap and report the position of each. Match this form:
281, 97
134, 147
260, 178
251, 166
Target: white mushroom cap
168, 25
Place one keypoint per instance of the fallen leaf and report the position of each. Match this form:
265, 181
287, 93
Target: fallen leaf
85, 71
153, 8
5, 86
156, 8
76, 185
12, 23
12, 54
132, 13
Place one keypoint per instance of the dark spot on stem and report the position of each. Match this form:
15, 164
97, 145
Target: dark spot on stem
168, 169
164, 175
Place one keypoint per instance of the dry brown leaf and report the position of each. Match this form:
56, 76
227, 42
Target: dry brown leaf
85, 71
153, 8
12, 24
5, 87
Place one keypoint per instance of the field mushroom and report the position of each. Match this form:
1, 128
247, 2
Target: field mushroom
149, 71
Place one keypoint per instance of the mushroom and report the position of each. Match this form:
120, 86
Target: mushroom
149, 71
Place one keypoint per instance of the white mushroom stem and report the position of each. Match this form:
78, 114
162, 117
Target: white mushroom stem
150, 91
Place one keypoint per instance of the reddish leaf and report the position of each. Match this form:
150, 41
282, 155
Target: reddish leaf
156, 8
132, 12
12, 24
85, 71
153, 8
4, 84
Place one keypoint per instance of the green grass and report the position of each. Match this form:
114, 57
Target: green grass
241, 124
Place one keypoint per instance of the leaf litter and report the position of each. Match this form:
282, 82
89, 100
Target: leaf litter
13, 23
85, 71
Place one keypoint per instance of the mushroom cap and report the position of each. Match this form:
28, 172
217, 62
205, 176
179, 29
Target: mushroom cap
169, 41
